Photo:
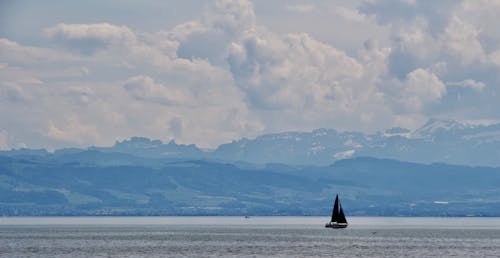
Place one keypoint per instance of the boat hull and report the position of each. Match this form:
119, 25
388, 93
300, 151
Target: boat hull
336, 225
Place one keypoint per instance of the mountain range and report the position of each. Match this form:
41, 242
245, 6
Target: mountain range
445, 141
393, 173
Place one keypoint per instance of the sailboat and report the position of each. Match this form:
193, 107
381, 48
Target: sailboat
338, 218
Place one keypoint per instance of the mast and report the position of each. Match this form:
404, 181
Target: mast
335, 213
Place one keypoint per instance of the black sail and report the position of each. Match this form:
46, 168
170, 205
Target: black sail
335, 213
341, 218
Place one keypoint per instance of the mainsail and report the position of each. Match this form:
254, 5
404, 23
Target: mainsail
338, 213
335, 212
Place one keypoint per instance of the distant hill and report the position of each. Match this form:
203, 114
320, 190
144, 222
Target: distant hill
94, 182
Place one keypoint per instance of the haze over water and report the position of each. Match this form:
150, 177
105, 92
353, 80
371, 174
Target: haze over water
255, 236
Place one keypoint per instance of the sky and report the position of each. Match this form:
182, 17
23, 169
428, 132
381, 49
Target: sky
89, 73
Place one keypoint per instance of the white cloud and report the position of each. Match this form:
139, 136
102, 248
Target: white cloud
14, 55
293, 71
89, 38
350, 14
469, 83
461, 39
423, 86
416, 40
301, 8
455, 41
198, 104
145, 89
14, 92
494, 58
231, 16
73, 131
419, 88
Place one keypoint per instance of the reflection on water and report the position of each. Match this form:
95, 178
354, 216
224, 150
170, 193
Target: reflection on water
255, 236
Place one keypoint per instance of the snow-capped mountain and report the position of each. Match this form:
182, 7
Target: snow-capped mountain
435, 126
445, 141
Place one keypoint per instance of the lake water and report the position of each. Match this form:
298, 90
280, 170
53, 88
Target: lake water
247, 237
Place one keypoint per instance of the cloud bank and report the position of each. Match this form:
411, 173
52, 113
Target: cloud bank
226, 74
